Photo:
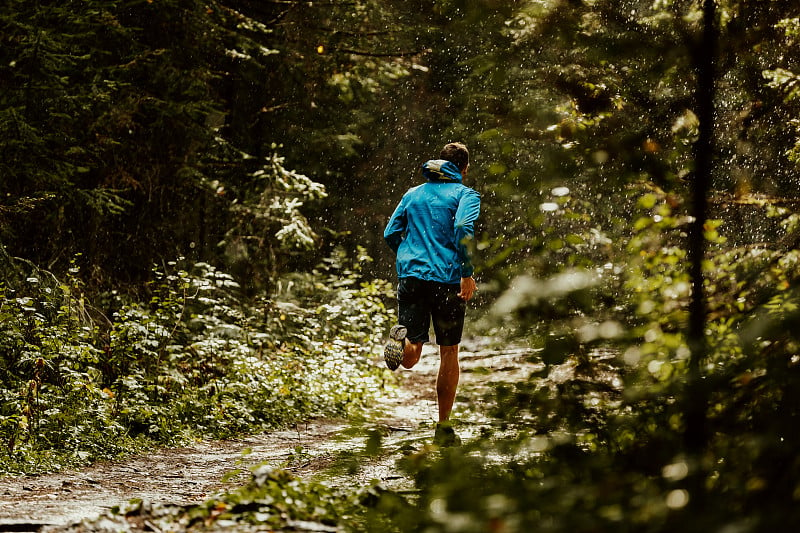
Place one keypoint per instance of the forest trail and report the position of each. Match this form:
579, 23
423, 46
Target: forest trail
320, 449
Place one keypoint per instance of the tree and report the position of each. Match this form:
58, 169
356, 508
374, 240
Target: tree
605, 141
118, 146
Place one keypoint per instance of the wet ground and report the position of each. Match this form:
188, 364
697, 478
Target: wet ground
404, 419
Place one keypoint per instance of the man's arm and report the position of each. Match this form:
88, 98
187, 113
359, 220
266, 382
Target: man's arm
469, 207
396, 227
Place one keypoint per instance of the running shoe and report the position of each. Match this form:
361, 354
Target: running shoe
445, 436
393, 351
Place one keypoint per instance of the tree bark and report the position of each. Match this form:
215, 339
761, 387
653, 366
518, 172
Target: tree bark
696, 397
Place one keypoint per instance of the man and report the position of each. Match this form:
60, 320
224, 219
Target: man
429, 231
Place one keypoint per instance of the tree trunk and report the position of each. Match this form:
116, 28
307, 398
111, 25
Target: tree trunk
696, 396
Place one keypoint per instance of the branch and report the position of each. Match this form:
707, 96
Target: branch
408, 53
350, 33
753, 200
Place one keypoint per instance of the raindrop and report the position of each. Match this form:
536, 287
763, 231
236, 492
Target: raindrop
675, 471
438, 507
609, 329
632, 355
683, 352
600, 157
677, 499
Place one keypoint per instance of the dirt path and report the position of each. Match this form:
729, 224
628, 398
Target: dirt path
190, 475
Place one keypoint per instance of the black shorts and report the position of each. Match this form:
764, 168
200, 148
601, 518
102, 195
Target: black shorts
421, 302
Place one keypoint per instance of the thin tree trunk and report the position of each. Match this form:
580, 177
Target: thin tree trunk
696, 397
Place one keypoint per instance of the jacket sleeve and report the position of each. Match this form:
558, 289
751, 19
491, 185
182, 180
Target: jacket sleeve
469, 207
396, 228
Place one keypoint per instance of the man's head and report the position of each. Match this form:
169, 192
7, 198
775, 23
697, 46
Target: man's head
456, 153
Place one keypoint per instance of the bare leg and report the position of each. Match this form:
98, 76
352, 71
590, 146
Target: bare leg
411, 353
447, 380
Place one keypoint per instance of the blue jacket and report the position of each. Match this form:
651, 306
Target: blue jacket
431, 225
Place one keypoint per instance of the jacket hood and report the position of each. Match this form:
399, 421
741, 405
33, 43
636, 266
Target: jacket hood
441, 170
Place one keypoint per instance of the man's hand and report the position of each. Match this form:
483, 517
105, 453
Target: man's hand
468, 287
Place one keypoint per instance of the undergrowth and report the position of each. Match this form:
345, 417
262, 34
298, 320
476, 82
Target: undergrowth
192, 360
274, 500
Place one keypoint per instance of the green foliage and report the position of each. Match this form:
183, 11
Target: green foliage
594, 441
194, 360
274, 499
788, 82
122, 141
582, 119
267, 225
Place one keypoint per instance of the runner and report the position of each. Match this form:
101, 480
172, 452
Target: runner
429, 231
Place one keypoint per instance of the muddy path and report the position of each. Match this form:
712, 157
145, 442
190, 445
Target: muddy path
318, 449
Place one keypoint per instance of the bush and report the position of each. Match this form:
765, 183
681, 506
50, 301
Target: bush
195, 359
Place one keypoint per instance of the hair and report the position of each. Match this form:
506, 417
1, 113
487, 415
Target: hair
456, 153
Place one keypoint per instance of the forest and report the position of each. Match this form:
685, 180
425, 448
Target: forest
192, 203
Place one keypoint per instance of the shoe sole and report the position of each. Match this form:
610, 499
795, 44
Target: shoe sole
393, 354
393, 351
